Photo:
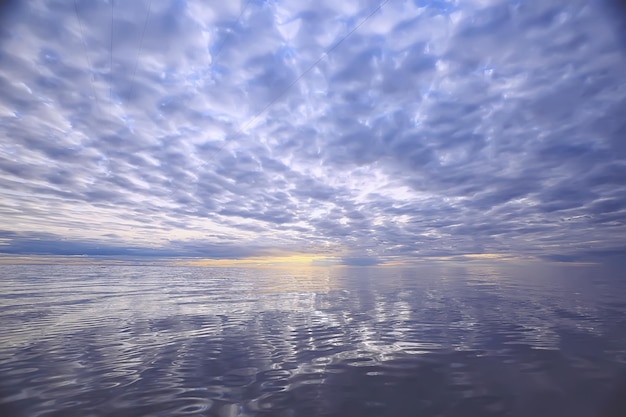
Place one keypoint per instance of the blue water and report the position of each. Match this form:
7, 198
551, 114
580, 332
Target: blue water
437, 340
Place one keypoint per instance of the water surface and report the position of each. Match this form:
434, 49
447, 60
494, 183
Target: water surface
441, 340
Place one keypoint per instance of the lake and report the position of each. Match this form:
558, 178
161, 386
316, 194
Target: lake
473, 339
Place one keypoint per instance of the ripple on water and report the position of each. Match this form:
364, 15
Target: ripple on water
172, 341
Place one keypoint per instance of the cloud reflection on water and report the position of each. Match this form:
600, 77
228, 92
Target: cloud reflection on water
244, 341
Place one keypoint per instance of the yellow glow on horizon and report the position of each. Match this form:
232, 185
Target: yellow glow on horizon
300, 260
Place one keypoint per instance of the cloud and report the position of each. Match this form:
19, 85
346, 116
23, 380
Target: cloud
435, 129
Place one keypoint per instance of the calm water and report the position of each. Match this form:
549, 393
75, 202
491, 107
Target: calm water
430, 341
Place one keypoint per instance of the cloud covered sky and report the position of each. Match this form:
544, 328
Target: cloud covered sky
436, 128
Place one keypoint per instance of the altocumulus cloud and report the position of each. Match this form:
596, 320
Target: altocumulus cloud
436, 128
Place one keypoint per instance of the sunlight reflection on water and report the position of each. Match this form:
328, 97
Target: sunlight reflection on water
435, 340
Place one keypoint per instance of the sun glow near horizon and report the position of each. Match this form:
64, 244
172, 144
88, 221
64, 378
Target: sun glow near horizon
300, 260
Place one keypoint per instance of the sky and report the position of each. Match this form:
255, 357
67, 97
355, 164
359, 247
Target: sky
362, 131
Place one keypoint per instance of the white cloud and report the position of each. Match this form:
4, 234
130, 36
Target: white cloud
435, 128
